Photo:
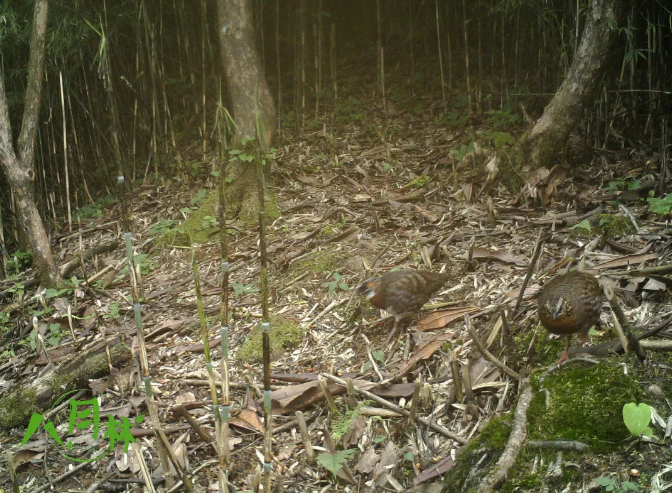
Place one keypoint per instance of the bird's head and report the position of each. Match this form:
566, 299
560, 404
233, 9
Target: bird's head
368, 288
557, 307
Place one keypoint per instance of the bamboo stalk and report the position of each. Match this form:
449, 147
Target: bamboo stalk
438, 37
166, 453
65, 153
265, 324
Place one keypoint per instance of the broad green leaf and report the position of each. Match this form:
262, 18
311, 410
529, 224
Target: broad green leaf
636, 417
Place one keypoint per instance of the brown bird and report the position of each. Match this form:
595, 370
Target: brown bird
570, 304
402, 291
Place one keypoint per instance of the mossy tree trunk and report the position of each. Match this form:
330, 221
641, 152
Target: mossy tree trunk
19, 165
560, 117
249, 93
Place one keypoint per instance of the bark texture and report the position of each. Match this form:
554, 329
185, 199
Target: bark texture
562, 114
242, 67
249, 95
18, 167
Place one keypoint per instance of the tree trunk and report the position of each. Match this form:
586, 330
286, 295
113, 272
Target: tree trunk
249, 95
242, 68
552, 130
19, 167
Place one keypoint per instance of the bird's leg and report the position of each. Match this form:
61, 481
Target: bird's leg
394, 329
565, 353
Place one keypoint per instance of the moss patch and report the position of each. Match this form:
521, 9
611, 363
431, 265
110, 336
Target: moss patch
491, 441
285, 334
200, 223
499, 139
16, 409
585, 404
545, 350
319, 262
615, 224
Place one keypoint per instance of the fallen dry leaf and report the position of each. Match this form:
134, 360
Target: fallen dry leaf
355, 432
434, 471
625, 261
502, 256
441, 318
389, 457
367, 461
423, 353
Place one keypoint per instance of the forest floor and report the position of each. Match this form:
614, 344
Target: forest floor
361, 192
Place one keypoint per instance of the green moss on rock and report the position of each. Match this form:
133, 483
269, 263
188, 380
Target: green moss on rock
615, 224
585, 403
545, 350
492, 441
285, 334
17, 408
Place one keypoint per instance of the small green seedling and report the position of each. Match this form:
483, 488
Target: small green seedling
336, 283
334, 462
661, 206
379, 356
637, 419
610, 484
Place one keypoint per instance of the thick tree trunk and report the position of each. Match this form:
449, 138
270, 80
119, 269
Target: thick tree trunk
19, 168
242, 68
249, 95
562, 114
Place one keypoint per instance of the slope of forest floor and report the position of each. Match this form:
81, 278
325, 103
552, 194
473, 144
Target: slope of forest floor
361, 192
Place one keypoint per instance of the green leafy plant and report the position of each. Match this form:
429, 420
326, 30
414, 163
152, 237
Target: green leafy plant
335, 283
341, 422
198, 198
237, 154
19, 260
143, 260
161, 227
4, 321
54, 334
455, 119
209, 222
637, 419
379, 355
241, 289
419, 181
583, 227
660, 206
503, 118
91, 211
458, 154
113, 313
8, 354
334, 462
626, 183
610, 484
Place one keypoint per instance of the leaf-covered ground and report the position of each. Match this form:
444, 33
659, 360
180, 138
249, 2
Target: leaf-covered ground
362, 191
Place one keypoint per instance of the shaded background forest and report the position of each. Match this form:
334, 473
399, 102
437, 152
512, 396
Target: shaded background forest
134, 85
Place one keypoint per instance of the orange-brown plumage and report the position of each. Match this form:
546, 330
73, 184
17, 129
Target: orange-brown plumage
570, 304
402, 291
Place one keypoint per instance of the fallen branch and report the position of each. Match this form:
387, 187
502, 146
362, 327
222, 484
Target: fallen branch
621, 323
513, 445
530, 269
481, 347
558, 444
402, 411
